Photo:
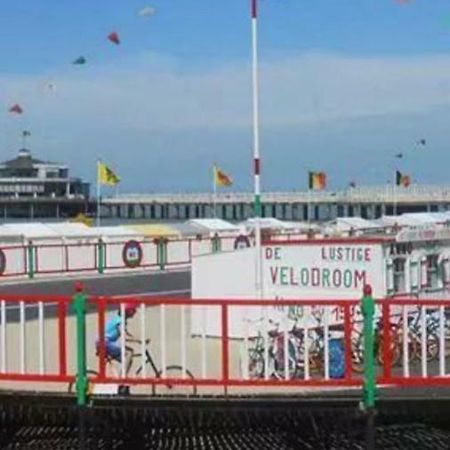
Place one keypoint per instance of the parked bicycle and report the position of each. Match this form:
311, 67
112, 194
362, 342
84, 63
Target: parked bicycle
396, 338
295, 358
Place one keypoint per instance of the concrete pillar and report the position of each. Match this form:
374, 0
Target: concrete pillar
247, 211
296, 208
234, 211
277, 210
172, 211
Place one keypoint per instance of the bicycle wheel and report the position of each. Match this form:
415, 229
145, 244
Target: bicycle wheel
357, 354
255, 365
395, 350
294, 359
176, 373
72, 385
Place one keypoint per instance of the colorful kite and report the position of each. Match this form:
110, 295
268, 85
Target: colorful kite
114, 38
80, 61
16, 109
146, 11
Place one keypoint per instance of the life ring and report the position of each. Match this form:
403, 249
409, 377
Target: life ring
132, 254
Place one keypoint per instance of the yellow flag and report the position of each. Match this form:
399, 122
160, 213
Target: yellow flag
106, 176
221, 178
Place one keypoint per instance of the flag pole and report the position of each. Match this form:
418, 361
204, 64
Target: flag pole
214, 192
256, 156
97, 222
309, 203
394, 194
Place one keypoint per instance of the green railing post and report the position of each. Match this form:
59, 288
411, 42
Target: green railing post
369, 389
100, 256
31, 259
161, 252
216, 243
79, 302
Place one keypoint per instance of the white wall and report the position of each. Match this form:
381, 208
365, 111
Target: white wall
294, 271
222, 276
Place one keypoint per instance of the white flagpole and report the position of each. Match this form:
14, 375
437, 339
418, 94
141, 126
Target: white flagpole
308, 209
214, 192
98, 196
256, 156
395, 199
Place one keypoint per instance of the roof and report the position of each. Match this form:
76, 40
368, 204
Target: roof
355, 223
213, 224
405, 220
113, 231
427, 217
71, 229
31, 230
188, 229
24, 161
153, 230
270, 223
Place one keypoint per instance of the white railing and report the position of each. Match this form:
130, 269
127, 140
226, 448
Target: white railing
365, 194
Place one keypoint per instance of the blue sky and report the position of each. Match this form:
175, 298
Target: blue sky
345, 84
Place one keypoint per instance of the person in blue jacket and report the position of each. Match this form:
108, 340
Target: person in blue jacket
113, 329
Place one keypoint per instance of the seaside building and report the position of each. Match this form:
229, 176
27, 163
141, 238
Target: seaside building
32, 188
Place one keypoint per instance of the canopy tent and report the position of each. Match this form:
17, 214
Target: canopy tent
214, 225
153, 230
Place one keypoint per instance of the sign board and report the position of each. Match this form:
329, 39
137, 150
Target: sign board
322, 271
317, 270
425, 233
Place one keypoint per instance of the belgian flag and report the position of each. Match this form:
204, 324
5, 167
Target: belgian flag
317, 180
401, 179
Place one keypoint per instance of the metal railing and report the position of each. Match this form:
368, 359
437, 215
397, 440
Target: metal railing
384, 193
183, 345
97, 256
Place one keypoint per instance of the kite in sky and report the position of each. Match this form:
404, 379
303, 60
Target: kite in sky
399, 155
16, 109
49, 86
146, 11
422, 142
114, 37
80, 61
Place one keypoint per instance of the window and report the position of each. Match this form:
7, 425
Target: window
432, 271
399, 275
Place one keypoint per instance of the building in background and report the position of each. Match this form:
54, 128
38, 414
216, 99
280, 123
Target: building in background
32, 188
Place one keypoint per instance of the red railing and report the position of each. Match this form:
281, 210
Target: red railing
46, 343
226, 343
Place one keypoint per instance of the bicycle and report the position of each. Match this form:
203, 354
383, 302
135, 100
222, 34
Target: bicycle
171, 372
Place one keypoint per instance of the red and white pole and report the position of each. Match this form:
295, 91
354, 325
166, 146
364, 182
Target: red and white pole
256, 158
